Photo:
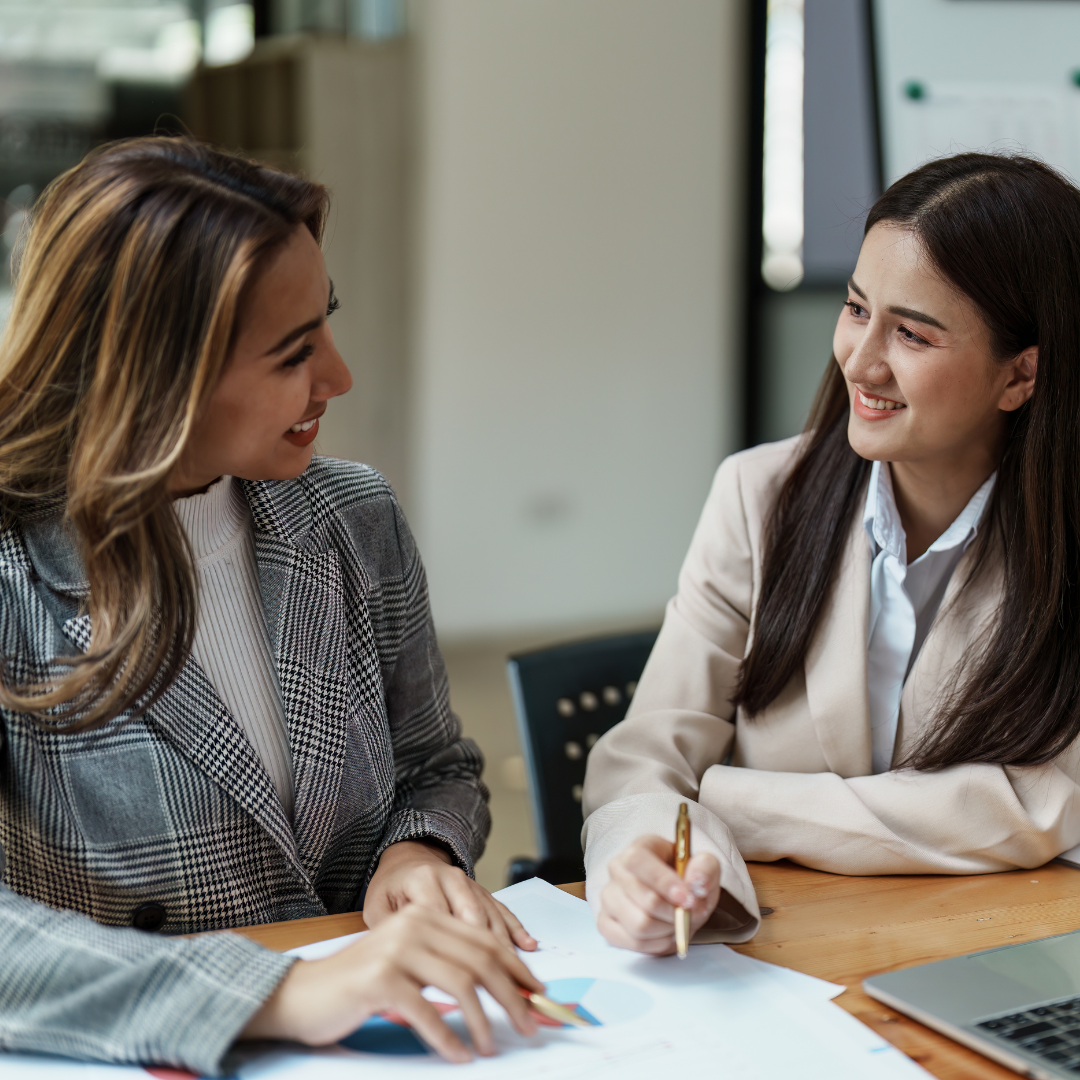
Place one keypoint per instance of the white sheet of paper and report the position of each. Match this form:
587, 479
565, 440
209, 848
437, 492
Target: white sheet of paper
554, 917
716, 1008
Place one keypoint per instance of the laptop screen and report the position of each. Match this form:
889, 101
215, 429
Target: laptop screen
1049, 968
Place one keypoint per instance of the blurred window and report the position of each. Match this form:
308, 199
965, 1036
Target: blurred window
782, 186
75, 72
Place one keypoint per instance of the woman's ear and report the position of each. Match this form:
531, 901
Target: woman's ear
1022, 370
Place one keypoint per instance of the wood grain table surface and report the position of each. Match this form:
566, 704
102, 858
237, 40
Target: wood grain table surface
846, 928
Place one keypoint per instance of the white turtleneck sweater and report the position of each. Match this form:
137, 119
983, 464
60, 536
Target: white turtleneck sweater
231, 643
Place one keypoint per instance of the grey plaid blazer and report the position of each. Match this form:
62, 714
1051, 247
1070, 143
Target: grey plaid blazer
175, 810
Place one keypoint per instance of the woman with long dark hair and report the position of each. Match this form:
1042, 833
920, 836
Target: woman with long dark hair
872, 665
221, 699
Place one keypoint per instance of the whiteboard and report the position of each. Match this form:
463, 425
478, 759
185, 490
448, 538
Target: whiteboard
957, 75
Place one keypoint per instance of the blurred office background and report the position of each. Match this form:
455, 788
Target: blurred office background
584, 248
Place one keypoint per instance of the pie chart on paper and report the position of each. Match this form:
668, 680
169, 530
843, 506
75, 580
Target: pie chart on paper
602, 1001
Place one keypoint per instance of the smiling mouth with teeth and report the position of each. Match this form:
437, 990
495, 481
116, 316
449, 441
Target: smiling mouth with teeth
307, 425
872, 403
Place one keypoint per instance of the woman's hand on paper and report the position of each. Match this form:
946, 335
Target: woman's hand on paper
413, 873
637, 905
321, 1001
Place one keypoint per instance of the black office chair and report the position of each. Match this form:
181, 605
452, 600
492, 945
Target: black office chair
566, 697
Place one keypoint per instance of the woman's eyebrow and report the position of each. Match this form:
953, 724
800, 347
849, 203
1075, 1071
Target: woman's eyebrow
292, 335
918, 316
903, 312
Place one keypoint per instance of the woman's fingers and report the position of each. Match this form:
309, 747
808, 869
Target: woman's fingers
430, 946
494, 921
638, 902
421, 887
703, 877
430, 1026
438, 950
641, 894
651, 860
459, 984
444, 888
376, 907
412, 873
475, 906
424, 888
520, 936
466, 900
614, 932
478, 952
320, 1001
506, 992
495, 967
479, 949
640, 923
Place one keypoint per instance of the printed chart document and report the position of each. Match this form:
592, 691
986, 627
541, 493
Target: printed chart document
716, 1009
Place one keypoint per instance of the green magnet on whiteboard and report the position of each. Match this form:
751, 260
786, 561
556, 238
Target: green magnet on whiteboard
1074, 78
916, 90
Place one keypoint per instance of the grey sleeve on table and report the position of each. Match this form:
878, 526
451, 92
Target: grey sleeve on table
72, 987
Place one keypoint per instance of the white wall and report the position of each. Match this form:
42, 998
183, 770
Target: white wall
577, 301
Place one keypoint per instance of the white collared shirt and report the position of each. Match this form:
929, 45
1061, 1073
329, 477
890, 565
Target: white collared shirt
904, 598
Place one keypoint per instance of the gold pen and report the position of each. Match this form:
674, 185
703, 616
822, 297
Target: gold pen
682, 857
553, 1010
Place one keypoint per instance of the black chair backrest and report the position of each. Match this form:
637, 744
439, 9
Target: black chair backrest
566, 697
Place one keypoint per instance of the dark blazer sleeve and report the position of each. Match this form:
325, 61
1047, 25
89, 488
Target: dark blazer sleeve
70, 986
439, 795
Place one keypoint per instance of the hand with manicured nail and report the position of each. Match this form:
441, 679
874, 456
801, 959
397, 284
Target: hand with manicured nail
637, 906
321, 1001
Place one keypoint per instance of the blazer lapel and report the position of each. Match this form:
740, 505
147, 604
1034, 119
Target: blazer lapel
193, 717
195, 720
307, 622
836, 688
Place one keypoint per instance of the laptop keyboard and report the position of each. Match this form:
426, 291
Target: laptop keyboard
1051, 1032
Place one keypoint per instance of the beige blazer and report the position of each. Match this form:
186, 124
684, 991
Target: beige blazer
796, 781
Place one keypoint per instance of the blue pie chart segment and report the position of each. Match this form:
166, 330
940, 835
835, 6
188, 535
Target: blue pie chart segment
603, 1001
377, 1035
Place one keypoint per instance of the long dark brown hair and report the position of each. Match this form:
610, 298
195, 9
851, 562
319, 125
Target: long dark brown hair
126, 296
1005, 231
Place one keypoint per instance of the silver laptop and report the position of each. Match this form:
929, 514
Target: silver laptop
1019, 1004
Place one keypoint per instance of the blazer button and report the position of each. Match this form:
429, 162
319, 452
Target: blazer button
148, 917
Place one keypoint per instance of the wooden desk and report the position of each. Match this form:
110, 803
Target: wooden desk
844, 929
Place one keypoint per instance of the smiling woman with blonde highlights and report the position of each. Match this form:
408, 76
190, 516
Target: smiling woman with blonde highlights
222, 702
872, 665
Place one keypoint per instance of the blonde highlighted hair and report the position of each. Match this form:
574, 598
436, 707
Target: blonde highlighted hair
127, 287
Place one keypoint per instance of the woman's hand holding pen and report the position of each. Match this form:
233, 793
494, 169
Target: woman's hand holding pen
637, 906
415, 873
321, 1001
